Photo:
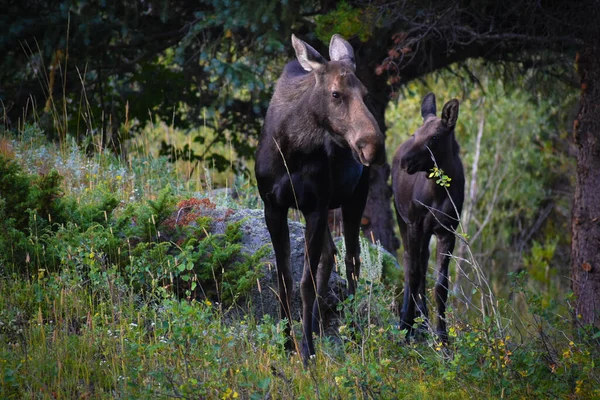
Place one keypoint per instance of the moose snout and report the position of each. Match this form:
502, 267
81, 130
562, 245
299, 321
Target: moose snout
409, 164
404, 162
370, 150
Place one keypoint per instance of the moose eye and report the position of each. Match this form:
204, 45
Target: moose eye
434, 138
336, 95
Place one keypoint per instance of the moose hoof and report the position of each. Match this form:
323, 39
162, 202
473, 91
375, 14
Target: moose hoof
308, 357
310, 360
442, 336
406, 327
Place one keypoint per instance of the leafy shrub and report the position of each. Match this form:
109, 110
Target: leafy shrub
169, 249
213, 267
141, 245
29, 205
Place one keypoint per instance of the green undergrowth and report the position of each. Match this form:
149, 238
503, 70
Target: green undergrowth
61, 339
164, 241
117, 287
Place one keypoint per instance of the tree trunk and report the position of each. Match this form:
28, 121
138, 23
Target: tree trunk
378, 220
585, 225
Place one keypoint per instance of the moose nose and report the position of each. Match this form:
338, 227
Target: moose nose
370, 152
361, 149
403, 162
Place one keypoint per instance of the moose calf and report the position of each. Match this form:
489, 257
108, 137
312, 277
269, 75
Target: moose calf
424, 208
314, 153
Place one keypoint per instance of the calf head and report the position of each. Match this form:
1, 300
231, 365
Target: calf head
337, 99
434, 138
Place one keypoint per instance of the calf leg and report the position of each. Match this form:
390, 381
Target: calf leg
316, 223
445, 247
412, 275
406, 257
423, 264
277, 224
323, 274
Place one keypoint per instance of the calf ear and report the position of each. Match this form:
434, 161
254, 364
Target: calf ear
341, 50
450, 113
428, 106
309, 58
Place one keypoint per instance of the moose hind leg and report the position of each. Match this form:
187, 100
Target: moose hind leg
276, 220
351, 215
444, 254
323, 274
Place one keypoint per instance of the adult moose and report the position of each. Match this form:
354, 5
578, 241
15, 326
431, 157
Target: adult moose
316, 146
424, 208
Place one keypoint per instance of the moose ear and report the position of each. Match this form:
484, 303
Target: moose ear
309, 58
341, 50
450, 113
428, 106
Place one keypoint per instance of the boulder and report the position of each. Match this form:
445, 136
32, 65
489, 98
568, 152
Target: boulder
263, 298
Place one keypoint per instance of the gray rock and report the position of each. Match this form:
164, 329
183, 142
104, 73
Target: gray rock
263, 298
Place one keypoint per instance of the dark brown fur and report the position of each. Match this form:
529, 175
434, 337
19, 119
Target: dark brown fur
317, 143
423, 208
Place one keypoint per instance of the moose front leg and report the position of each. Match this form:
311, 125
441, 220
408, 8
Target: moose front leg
444, 253
316, 223
277, 224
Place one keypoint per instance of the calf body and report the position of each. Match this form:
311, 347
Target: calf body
317, 144
424, 208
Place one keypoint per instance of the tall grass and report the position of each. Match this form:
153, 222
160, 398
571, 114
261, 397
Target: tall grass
59, 340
